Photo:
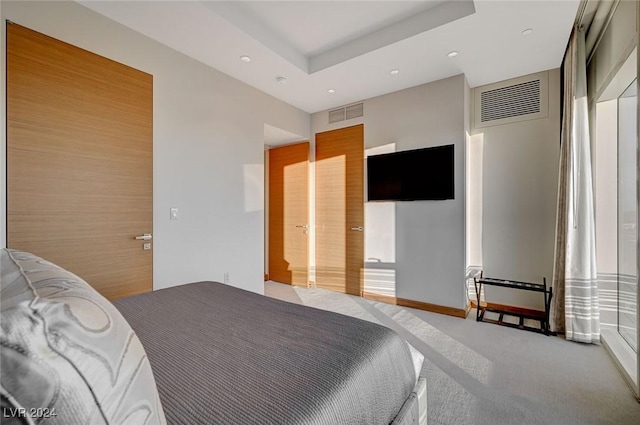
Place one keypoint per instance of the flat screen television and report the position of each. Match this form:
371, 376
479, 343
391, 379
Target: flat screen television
415, 175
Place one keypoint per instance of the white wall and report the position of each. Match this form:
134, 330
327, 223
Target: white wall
519, 196
208, 147
429, 235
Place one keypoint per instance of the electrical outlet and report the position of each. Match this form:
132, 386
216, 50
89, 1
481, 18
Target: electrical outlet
173, 213
226, 278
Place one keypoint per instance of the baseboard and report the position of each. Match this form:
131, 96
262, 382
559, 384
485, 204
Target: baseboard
434, 308
509, 309
388, 299
266, 277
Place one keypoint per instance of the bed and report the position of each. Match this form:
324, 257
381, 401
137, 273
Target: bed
217, 355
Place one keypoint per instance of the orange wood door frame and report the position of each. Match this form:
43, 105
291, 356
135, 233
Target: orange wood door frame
288, 213
79, 161
339, 172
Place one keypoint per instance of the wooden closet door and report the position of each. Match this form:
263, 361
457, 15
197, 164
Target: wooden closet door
339, 172
79, 161
289, 214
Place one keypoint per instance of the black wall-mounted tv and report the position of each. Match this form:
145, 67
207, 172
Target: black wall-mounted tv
415, 175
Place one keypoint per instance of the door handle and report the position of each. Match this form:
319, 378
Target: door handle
358, 229
144, 237
303, 226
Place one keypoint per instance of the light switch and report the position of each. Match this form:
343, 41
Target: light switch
173, 213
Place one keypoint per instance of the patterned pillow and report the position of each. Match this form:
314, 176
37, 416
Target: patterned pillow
68, 356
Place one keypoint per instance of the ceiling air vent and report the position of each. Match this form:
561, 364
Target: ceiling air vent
510, 101
346, 113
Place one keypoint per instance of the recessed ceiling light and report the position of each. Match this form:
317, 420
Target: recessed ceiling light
245, 58
281, 80
331, 91
395, 71
452, 54
527, 31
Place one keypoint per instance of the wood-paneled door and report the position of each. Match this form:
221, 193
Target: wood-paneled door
339, 172
79, 161
289, 214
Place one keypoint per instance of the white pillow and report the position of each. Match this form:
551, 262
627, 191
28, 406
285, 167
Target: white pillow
67, 353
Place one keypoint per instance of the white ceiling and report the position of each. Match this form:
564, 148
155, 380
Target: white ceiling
351, 46
313, 27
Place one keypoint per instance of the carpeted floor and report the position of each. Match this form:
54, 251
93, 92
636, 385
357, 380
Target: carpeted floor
484, 374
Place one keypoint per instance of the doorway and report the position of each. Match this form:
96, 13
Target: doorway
79, 161
339, 212
288, 227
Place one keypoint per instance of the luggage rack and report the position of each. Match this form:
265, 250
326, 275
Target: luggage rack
522, 314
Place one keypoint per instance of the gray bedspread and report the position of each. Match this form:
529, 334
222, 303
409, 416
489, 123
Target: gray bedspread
222, 355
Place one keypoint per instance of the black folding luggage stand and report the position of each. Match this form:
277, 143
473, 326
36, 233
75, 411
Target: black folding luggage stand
541, 316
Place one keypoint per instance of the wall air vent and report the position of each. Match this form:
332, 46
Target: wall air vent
346, 113
355, 111
511, 101
337, 115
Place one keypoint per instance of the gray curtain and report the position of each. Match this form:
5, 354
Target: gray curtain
575, 309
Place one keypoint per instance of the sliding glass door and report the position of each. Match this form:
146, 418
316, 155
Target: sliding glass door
616, 194
627, 216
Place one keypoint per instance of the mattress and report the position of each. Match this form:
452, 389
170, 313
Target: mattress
414, 409
222, 355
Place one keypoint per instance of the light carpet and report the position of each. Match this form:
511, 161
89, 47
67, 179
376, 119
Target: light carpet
484, 374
